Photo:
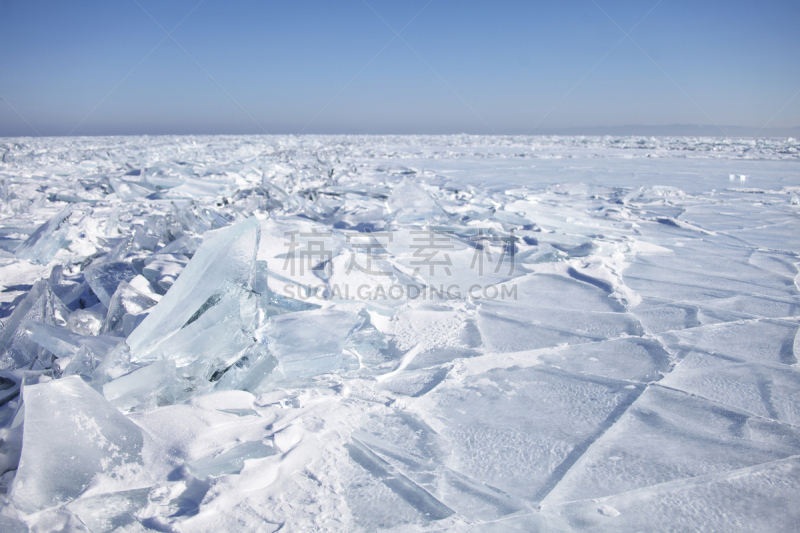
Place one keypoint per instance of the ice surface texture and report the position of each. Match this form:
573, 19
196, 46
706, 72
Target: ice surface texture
399, 333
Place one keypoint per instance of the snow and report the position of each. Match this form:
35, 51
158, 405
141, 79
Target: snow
408, 333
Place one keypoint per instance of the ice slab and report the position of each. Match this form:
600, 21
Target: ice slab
217, 338
253, 372
199, 219
164, 271
48, 238
125, 301
513, 431
764, 389
230, 461
760, 341
83, 363
629, 358
185, 245
147, 239
658, 316
668, 436
104, 278
40, 304
216, 345
515, 327
128, 190
226, 256
120, 251
151, 386
308, 343
63, 343
758, 498
110, 512
71, 434
69, 292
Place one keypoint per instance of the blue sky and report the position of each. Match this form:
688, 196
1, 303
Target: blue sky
96, 67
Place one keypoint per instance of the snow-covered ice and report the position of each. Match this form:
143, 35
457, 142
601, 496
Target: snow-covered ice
409, 333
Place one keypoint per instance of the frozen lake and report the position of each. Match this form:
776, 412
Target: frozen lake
407, 333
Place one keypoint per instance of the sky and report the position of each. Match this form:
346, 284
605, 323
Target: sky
119, 67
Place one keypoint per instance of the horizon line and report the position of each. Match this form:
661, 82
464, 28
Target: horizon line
626, 130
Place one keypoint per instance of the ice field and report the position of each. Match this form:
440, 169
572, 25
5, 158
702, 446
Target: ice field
405, 333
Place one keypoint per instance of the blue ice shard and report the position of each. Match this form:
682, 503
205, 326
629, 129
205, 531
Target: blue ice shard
217, 337
42, 305
226, 256
43, 243
126, 301
63, 343
308, 343
104, 278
